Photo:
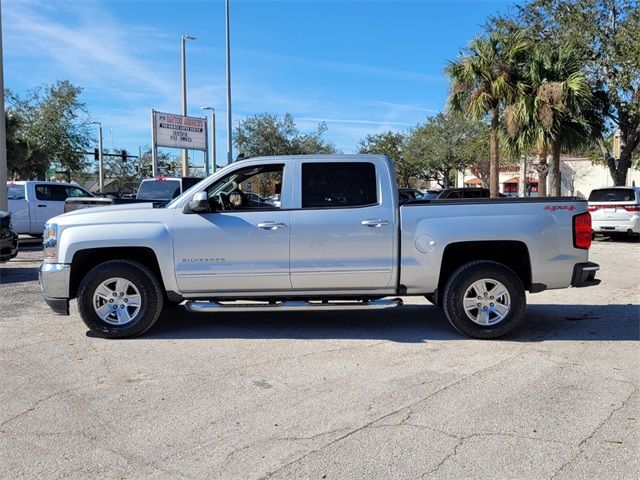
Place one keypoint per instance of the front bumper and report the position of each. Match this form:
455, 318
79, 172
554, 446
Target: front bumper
584, 274
54, 282
8, 245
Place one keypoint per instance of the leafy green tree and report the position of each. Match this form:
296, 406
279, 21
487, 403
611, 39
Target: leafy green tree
268, 134
483, 80
552, 112
52, 126
393, 145
16, 147
604, 34
447, 143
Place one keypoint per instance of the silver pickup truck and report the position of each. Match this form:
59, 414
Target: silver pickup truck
337, 239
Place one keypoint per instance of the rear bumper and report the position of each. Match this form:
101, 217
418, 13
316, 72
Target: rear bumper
631, 225
54, 282
584, 274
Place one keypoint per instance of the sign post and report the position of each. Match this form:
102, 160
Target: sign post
154, 148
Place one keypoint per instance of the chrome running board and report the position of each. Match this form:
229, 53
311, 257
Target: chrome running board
290, 306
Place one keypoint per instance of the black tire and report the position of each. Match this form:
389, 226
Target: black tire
151, 298
461, 281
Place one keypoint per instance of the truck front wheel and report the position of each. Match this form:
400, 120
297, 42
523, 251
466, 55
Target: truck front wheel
484, 299
119, 299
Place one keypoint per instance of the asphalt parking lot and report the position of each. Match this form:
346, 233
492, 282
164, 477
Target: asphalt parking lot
371, 395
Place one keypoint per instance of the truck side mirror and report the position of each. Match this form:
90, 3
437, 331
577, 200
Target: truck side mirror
198, 204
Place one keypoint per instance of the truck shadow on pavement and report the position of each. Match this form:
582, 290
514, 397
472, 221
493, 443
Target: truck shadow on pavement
407, 324
18, 275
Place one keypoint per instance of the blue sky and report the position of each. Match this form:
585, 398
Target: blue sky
360, 66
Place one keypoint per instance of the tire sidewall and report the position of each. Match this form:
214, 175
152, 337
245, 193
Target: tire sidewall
144, 281
462, 279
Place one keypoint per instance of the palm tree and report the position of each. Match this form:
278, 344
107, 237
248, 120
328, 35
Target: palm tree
483, 80
552, 113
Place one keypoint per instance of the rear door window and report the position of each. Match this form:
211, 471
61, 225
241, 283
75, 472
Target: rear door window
612, 195
15, 192
53, 193
338, 185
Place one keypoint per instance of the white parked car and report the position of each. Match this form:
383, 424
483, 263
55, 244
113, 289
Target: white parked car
615, 210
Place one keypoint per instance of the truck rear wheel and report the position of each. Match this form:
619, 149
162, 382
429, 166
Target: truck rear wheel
484, 299
119, 299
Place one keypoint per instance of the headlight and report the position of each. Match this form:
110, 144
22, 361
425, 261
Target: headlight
50, 242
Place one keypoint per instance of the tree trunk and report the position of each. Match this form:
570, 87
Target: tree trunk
542, 175
494, 159
626, 150
555, 170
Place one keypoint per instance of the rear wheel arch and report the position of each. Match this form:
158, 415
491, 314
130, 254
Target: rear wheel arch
513, 254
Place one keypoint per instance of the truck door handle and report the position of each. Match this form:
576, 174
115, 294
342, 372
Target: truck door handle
271, 225
40, 206
375, 222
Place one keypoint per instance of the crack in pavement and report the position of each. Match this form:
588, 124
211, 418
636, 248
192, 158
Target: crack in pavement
42, 400
131, 459
464, 438
410, 406
592, 434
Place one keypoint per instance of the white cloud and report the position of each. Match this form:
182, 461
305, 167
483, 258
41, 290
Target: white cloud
67, 37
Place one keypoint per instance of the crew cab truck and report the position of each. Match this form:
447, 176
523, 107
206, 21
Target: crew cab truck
33, 202
338, 240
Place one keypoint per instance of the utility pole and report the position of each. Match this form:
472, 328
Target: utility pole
229, 133
4, 204
185, 152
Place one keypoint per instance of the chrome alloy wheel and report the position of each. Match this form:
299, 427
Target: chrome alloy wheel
487, 302
117, 301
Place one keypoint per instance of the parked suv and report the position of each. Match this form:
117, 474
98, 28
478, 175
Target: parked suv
615, 210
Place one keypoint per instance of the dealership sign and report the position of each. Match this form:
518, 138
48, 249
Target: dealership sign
176, 131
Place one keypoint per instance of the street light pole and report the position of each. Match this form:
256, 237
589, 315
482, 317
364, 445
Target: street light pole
212, 155
228, 45
185, 152
100, 164
4, 203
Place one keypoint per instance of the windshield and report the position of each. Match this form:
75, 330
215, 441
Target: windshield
612, 195
158, 190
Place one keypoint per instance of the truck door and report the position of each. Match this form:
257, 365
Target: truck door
343, 234
49, 202
19, 207
244, 245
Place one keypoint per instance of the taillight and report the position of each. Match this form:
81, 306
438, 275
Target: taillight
632, 208
582, 231
593, 208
